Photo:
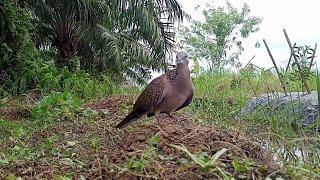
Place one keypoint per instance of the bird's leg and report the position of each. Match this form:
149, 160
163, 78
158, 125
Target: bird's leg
170, 116
157, 117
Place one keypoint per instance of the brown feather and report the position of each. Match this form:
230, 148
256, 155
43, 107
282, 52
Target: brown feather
186, 103
167, 93
147, 100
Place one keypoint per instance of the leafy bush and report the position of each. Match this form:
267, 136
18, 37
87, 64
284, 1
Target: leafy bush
17, 52
80, 83
23, 67
45, 76
57, 106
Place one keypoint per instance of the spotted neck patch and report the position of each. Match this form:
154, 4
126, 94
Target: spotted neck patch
172, 75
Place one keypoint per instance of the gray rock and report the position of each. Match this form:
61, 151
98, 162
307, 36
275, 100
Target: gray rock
297, 107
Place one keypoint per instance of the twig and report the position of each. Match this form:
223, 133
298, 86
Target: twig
313, 56
276, 67
297, 62
288, 65
195, 130
249, 61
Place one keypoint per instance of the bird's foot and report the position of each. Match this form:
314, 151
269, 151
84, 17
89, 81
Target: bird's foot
170, 116
173, 119
157, 119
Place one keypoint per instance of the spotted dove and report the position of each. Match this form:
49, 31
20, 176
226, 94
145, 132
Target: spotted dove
165, 94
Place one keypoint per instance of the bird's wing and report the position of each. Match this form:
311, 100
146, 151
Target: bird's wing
151, 96
147, 100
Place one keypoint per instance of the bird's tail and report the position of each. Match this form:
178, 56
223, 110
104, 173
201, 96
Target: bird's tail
133, 116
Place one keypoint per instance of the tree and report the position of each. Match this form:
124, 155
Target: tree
218, 39
126, 37
17, 52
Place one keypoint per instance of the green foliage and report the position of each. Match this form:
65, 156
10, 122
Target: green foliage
17, 52
57, 106
95, 143
211, 105
303, 54
65, 177
125, 89
196, 68
318, 84
126, 38
79, 83
241, 167
222, 31
17, 133
207, 163
84, 38
140, 164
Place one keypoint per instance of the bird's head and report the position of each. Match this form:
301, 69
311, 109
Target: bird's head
182, 57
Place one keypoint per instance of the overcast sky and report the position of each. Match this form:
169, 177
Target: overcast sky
299, 18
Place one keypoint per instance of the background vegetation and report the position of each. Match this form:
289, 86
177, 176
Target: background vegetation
57, 57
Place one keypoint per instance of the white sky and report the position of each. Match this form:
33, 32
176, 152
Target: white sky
299, 18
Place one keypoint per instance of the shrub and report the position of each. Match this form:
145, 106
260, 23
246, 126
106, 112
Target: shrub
79, 83
57, 106
17, 52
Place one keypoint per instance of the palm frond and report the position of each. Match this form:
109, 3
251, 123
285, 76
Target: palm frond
116, 35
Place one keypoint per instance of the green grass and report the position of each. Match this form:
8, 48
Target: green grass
219, 97
223, 94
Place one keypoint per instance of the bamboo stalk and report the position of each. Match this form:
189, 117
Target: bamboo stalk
276, 67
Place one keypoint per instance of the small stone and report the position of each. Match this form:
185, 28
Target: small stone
141, 138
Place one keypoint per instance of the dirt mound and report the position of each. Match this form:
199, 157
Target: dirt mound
132, 142
195, 138
96, 150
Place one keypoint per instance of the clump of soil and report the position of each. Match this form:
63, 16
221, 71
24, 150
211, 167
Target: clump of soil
108, 158
14, 113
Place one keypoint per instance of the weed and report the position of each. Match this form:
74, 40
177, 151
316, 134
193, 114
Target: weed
95, 143
242, 167
57, 106
210, 164
318, 85
140, 164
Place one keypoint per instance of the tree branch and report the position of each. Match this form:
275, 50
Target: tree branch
276, 67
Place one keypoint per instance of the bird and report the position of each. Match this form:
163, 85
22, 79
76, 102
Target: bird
167, 93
